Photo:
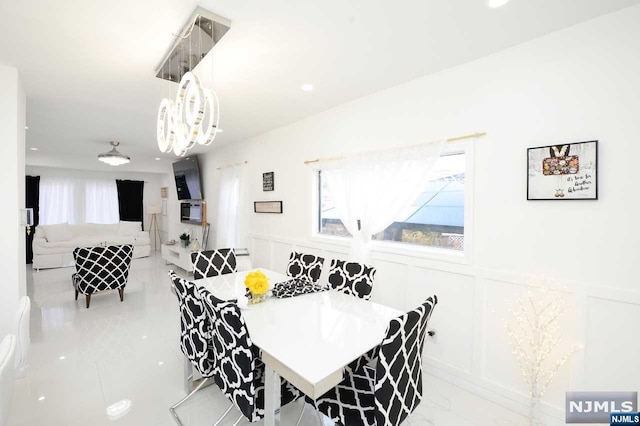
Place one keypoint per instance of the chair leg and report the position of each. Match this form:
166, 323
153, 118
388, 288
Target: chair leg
172, 410
88, 297
121, 291
76, 294
223, 416
304, 404
237, 422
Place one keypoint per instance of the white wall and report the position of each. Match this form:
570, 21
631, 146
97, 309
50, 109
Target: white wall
152, 184
12, 183
574, 85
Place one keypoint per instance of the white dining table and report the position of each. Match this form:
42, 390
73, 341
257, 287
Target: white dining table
307, 339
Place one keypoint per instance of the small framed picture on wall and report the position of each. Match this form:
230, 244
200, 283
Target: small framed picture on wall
563, 172
267, 181
267, 206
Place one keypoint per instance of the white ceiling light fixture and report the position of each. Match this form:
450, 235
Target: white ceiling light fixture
307, 87
33, 148
494, 4
192, 118
114, 157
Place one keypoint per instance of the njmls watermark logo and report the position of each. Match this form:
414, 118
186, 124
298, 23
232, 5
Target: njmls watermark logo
596, 407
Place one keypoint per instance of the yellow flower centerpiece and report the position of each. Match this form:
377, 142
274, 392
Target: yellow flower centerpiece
258, 284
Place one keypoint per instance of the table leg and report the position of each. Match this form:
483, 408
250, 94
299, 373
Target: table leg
271, 397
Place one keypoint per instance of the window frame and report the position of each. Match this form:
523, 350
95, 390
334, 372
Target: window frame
398, 248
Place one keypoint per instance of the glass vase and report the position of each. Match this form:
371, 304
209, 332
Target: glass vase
256, 298
534, 412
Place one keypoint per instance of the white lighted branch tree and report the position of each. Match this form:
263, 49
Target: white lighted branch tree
534, 335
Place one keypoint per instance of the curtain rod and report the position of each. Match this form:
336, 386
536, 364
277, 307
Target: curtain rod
232, 165
455, 139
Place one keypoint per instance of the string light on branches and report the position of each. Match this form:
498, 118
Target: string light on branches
534, 334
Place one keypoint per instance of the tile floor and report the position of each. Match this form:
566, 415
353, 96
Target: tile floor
83, 360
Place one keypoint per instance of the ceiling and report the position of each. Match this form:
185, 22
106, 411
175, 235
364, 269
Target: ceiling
88, 66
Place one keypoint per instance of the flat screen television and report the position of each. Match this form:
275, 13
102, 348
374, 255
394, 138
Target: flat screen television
187, 174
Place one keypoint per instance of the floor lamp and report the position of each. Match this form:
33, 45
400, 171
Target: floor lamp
154, 211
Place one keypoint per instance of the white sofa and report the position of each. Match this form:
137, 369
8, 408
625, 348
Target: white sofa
53, 245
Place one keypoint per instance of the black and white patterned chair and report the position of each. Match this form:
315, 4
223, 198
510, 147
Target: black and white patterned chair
101, 268
195, 334
212, 263
305, 266
239, 372
352, 278
387, 394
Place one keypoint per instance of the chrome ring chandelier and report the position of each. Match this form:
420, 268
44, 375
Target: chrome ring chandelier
191, 119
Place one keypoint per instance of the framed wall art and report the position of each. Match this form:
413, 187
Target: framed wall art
563, 172
267, 206
267, 181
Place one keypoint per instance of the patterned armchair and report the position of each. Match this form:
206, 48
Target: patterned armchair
101, 268
387, 394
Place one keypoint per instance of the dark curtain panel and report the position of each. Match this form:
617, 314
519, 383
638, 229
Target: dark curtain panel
32, 200
130, 200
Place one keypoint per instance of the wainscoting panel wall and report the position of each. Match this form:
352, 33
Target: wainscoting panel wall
611, 326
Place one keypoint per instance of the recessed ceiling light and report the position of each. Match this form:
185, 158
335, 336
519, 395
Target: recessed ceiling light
26, 127
160, 363
62, 358
494, 4
144, 337
42, 398
157, 158
307, 87
33, 148
219, 130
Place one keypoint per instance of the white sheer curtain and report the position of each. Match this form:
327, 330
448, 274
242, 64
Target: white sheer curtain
101, 201
231, 226
76, 201
60, 201
370, 190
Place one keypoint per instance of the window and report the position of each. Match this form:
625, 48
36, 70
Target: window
434, 219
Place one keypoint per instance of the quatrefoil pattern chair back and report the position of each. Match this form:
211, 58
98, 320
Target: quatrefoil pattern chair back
236, 357
305, 266
101, 268
195, 326
352, 278
211, 263
239, 372
387, 394
398, 388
